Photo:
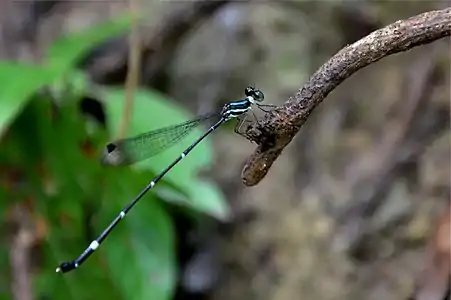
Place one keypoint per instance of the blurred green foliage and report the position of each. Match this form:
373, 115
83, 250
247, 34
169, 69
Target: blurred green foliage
49, 164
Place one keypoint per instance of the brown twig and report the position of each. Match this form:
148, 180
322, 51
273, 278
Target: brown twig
279, 126
133, 71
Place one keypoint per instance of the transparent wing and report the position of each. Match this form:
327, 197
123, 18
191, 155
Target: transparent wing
131, 150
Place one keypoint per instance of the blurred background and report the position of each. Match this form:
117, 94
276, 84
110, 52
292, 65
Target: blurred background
351, 209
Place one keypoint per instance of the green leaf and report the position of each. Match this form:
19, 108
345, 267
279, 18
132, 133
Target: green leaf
49, 143
19, 82
65, 52
209, 199
136, 261
75, 198
141, 251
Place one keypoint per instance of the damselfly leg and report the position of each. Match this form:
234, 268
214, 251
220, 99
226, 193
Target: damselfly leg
271, 106
239, 124
242, 121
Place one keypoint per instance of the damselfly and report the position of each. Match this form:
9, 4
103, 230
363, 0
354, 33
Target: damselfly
130, 150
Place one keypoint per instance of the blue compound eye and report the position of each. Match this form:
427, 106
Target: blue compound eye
258, 95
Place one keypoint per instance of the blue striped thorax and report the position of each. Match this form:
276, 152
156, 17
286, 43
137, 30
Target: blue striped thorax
236, 108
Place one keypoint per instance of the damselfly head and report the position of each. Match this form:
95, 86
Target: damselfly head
256, 94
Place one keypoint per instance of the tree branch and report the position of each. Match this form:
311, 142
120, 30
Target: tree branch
279, 126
